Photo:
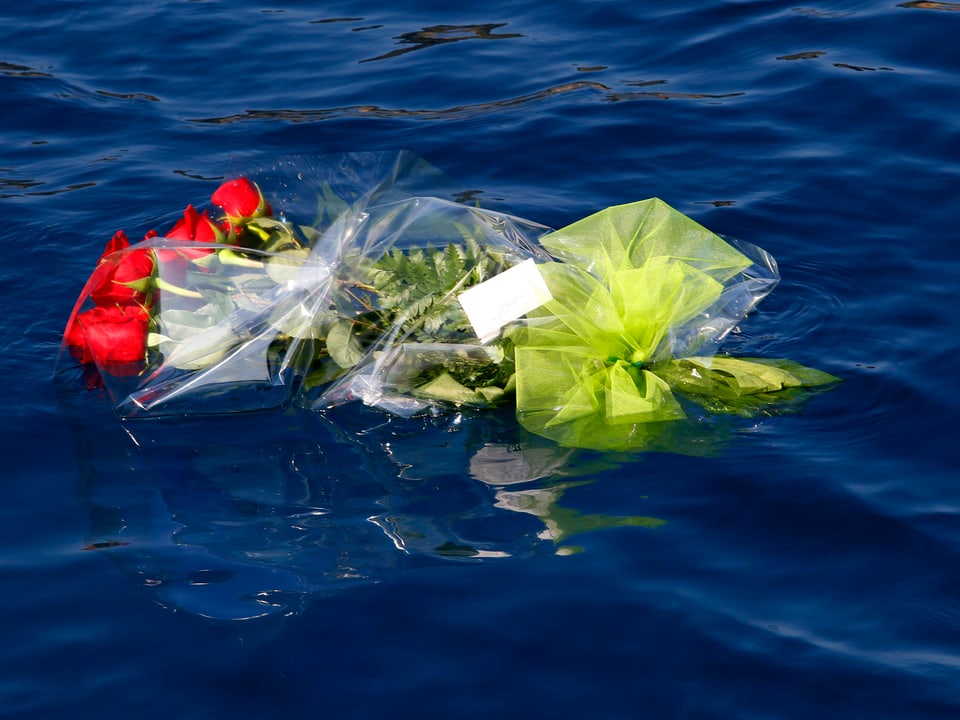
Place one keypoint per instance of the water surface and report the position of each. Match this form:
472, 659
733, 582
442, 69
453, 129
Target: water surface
802, 565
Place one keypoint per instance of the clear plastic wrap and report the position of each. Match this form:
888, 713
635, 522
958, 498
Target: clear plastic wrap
359, 303
350, 278
399, 286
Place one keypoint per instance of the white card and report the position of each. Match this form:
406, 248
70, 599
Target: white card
504, 298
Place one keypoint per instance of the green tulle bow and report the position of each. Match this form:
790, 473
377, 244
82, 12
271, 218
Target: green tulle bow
641, 289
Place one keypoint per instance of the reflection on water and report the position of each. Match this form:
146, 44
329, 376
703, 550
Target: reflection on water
468, 110
806, 55
860, 68
326, 21
443, 34
207, 521
660, 95
814, 12
950, 7
128, 96
290, 115
17, 70
608, 95
25, 186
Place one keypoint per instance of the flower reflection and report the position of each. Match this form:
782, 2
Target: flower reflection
254, 515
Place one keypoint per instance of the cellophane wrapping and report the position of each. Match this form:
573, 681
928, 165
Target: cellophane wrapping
347, 290
345, 278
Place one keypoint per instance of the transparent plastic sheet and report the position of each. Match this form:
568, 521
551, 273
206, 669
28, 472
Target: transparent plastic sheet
415, 347
250, 328
346, 280
214, 340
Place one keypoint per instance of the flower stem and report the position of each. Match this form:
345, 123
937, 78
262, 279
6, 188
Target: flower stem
229, 257
176, 289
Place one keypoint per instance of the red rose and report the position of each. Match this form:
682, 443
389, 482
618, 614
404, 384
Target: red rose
119, 241
114, 338
241, 199
194, 226
123, 279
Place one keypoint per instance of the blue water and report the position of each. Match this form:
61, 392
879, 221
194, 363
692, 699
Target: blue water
802, 565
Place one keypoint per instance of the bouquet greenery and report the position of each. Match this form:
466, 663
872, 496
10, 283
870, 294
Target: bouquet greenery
601, 333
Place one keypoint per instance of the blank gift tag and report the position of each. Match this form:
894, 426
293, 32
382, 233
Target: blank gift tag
504, 298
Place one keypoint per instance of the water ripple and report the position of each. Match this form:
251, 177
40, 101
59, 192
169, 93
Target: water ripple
806, 567
434, 35
659, 95
919, 5
17, 70
805, 306
466, 110
381, 112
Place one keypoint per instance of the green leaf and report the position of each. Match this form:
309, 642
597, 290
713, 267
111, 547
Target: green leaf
343, 345
450, 266
445, 388
416, 289
202, 349
287, 265
330, 206
728, 377
491, 394
194, 319
157, 339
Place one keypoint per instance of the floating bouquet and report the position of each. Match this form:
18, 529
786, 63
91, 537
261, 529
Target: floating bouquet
601, 333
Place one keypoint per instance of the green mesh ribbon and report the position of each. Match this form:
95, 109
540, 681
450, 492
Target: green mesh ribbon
595, 365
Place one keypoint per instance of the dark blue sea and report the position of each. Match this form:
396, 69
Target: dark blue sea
290, 564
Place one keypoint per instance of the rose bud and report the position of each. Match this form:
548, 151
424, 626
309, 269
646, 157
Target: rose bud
240, 200
194, 226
